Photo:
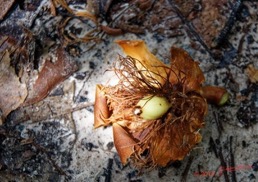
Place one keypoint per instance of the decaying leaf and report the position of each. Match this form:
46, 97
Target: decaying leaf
55, 70
24, 80
12, 91
5, 7
159, 139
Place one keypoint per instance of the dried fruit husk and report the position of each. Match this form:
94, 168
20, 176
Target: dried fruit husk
183, 67
150, 143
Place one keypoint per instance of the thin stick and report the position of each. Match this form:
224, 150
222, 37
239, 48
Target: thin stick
190, 27
187, 168
232, 161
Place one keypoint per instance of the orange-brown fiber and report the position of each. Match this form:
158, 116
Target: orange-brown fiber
153, 142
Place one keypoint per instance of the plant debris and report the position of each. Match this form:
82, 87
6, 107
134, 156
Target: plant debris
210, 20
5, 7
156, 111
12, 91
52, 73
26, 79
54, 138
252, 73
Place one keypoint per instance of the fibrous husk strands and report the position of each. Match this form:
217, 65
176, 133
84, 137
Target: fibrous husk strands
146, 85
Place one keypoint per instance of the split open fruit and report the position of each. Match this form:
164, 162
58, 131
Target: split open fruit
156, 110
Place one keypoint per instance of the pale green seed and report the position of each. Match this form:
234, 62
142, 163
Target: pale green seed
153, 107
224, 99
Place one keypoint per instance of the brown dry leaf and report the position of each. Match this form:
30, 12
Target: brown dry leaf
5, 7
252, 73
54, 71
12, 91
22, 84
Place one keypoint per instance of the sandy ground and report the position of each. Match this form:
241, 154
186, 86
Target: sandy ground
72, 150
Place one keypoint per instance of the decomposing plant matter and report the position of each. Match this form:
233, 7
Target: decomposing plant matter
25, 79
156, 110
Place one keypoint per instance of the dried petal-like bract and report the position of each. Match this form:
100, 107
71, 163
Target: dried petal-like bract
186, 68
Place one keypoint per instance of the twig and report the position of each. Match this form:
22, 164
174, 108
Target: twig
76, 99
75, 133
232, 161
187, 168
29, 116
190, 27
213, 146
229, 23
218, 123
242, 41
222, 162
